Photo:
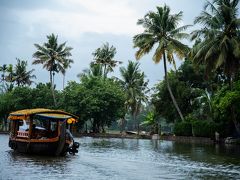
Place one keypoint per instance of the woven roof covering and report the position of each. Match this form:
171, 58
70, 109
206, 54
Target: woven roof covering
48, 113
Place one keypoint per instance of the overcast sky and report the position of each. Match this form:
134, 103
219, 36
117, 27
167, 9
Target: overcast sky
85, 25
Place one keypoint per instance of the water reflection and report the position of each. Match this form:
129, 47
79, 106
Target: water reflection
29, 165
132, 159
113, 144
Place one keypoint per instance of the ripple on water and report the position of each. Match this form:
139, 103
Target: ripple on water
124, 159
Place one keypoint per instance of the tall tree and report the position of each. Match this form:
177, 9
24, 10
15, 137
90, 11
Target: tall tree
22, 76
135, 87
53, 57
3, 70
219, 48
10, 78
220, 36
105, 57
66, 65
161, 28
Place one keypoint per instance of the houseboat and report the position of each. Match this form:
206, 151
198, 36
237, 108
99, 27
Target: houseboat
42, 131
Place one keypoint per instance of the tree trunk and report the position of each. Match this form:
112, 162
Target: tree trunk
63, 81
136, 122
86, 131
98, 127
52, 89
104, 71
138, 127
94, 126
169, 88
122, 124
137, 119
103, 130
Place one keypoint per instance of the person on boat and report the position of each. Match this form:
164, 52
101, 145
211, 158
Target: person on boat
69, 135
23, 126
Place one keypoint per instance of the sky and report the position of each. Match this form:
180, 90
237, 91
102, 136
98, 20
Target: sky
85, 26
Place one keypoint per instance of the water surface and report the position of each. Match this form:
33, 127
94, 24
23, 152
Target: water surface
129, 159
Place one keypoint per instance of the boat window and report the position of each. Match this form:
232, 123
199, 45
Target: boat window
44, 127
40, 124
53, 125
23, 125
20, 122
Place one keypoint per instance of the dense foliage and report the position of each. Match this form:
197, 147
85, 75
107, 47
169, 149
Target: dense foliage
101, 101
183, 129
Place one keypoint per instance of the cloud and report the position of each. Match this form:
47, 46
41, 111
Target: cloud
105, 16
85, 25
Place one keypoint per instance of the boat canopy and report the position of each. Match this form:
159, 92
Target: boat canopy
44, 113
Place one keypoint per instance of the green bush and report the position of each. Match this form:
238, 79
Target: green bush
183, 129
203, 128
197, 128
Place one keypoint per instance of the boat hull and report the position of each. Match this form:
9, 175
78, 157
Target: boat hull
39, 148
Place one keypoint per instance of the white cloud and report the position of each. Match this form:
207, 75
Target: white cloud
105, 16
85, 25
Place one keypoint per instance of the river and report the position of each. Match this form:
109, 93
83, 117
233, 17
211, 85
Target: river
124, 159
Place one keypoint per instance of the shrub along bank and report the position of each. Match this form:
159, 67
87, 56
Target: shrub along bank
198, 128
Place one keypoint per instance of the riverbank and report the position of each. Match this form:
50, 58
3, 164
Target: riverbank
183, 139
4, 132
112, 135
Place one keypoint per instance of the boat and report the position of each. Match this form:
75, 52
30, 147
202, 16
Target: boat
42, 131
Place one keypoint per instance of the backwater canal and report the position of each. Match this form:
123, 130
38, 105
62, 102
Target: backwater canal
124, 159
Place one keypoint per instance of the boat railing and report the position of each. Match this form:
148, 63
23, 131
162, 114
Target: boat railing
22, 134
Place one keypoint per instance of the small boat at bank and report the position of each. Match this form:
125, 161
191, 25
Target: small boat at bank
42, 131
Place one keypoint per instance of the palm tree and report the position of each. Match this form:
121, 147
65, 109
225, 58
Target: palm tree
220, 37
152, 120
22, 76
95, 70
219, 48
141, 98
104, 56
3, 69
161, 28
53, 57
66, 65
10, 78
135, 87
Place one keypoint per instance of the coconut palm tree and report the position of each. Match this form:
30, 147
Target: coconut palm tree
3, 69
10, 78
104, 56
219, 48
66, 65
141, 97
135, 87
53, 57
220, 37
22, 76
95, 70
161, 29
